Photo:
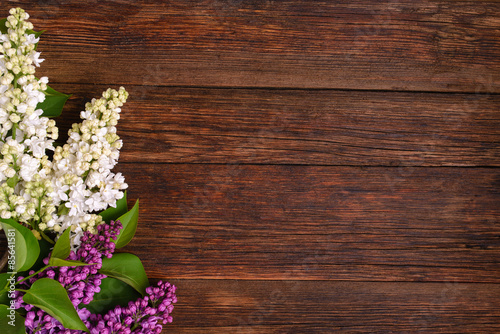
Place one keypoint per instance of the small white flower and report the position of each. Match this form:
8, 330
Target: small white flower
20, 209
31, 39
29, 167
74, 208
5, 214
35, 57
63, 166
21, 108
60, 191
94, 179
38, 146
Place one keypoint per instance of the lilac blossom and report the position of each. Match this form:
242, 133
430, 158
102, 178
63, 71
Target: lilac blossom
81, 282
146, 315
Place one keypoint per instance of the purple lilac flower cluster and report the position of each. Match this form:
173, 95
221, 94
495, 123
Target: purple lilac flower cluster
81, 282
144, 316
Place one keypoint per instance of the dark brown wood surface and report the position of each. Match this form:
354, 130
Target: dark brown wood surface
307, 127
370, 44
302, 166
328, 223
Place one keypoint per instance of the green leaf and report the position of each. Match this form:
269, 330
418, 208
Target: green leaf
3, 28
127, 268
45, 248
113, 293
62, 210
36, 33
62, 248
113, 213
53, 104
26, 246
56, 262
50, 296
61, 251
129, 222
4, 296
12, 182
11, 322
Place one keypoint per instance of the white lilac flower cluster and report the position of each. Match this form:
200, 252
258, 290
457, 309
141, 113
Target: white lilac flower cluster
82, 177
52, 194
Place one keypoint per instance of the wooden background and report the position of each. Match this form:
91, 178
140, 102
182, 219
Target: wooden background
302, 166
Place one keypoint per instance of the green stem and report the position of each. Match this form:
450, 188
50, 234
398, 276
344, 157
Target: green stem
28, 277
5, 288
49, 240
15, 81
14, 159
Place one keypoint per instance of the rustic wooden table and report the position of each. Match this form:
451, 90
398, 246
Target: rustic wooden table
302, 166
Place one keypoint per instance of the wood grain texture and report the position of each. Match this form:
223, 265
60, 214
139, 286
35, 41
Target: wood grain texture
191, 125
302, 166
389, 45
329, 223
250, 307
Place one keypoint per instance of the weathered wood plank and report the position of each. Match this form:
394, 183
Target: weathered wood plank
303, 127
340, 307
332, 223
326, 230
370, 44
